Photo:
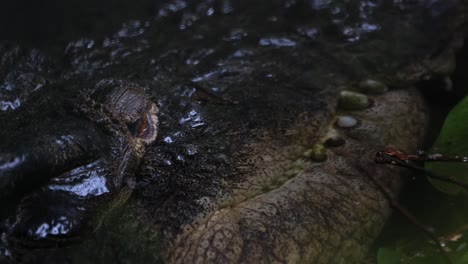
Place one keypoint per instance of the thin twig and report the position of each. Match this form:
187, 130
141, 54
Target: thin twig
400, 159
408, 216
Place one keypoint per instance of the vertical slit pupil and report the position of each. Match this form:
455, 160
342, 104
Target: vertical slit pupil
139, 127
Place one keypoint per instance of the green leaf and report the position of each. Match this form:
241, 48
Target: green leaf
388, 256
463, 259
452, 140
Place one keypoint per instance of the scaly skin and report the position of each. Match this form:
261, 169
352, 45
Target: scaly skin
247, 105
325, 212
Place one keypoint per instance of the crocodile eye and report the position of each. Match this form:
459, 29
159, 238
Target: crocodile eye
139, 127
145, 127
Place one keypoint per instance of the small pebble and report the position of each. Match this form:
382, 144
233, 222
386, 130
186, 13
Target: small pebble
346, 121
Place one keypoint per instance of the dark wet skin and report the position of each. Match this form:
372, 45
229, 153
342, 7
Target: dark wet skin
245, 99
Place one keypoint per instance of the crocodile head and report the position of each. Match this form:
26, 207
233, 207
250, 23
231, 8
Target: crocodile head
268, 126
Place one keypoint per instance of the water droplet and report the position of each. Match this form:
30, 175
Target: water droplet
309, 32
242, 53
131, 29
187, 20
173, 7
235, 34
167, 162
168, 140
277, 42
226, 7
9, 86
194, 119
210, 11
180, 158
191, 150
319, 4
5, 105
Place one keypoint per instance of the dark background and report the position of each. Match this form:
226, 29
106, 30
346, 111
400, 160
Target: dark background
45, 22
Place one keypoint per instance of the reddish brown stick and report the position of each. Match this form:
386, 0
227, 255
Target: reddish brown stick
398, 158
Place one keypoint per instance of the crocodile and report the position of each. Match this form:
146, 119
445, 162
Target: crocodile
218, 132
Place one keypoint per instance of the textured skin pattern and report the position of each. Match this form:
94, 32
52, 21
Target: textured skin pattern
328, 212
247, 94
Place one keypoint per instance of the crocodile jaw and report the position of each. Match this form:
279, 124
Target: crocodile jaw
327, 212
